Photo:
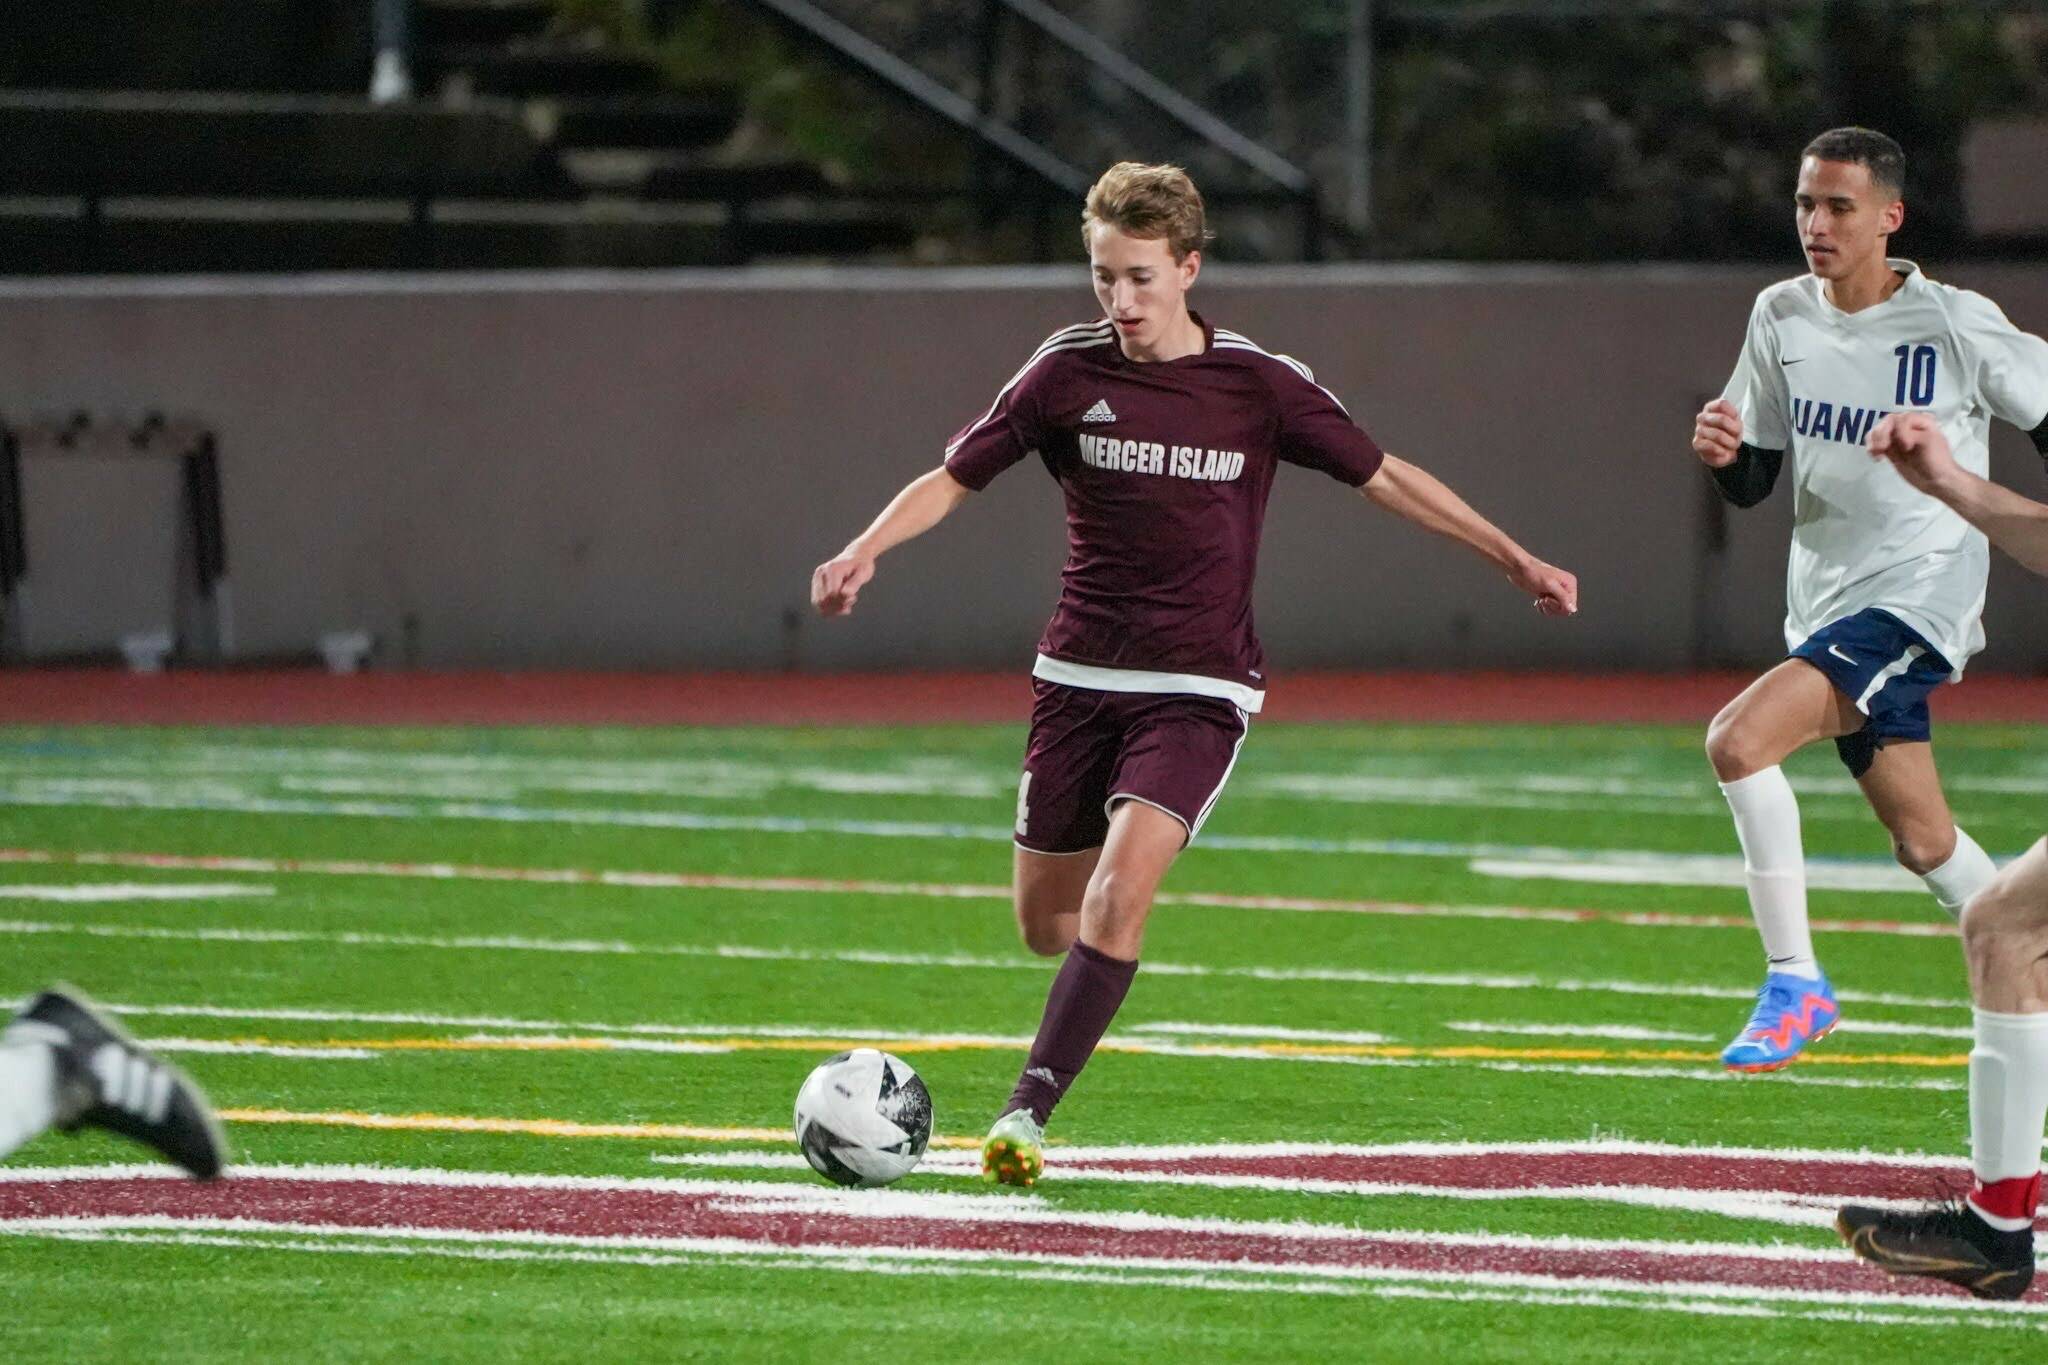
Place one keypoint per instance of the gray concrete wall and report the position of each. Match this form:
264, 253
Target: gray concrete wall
641, 470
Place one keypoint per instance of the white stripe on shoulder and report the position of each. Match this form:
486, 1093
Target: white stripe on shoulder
1232, 341
1078, 337
1237, 340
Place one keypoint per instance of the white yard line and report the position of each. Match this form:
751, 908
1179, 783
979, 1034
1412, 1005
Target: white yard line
20, 793
1624, 1032
936, 961
232, 1047
429, 1019
1297, 1035
1703, 870
1080, 1153
357, 771
691, 881
1665, 1299
86, 893
1790, 1210
1857, 1024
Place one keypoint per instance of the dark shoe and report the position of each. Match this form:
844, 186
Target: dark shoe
1944, 1242
106, 1080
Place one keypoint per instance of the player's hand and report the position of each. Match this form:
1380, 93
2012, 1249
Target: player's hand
1913, 442
1717, 433
836, 584
1556, 591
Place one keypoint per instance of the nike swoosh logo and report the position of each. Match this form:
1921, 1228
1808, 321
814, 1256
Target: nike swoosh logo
1796, 360
1836, 650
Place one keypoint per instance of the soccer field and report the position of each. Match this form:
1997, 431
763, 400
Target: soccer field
1420, 1063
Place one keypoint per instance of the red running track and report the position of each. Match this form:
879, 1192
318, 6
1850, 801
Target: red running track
308, 697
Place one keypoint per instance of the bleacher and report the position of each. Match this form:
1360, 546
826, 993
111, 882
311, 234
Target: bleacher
215, 135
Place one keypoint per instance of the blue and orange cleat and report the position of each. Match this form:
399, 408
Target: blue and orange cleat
1791, 1012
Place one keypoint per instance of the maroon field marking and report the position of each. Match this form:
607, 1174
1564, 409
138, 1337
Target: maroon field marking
286, 1203
1858, 1179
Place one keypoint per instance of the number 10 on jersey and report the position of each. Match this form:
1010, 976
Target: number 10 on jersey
1916, 375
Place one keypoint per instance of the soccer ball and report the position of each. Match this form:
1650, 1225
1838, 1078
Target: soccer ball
863, 1118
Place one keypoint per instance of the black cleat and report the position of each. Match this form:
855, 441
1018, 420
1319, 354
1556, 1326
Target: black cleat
1944, 1242
107, 1080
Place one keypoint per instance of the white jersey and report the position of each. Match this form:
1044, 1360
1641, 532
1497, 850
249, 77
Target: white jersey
1814, 380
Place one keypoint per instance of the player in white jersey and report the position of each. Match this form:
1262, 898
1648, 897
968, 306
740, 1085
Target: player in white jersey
1984, 1243
1885, 585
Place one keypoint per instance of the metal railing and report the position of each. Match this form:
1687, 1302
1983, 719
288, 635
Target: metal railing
1282, 183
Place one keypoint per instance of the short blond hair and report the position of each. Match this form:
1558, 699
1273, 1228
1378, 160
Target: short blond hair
1141, 200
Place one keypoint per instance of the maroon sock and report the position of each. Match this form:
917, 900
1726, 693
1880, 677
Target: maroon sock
1085, 996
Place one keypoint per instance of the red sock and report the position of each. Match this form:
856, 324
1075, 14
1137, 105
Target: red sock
2010, 1200
1085, 996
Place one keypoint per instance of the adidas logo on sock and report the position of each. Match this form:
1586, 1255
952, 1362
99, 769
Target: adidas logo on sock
1099, 413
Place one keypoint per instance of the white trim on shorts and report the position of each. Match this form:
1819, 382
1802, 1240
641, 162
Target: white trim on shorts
1109, 810
1098, 679
1244, 729
1884, 676
1048, 853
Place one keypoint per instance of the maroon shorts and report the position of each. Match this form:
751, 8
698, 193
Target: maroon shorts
1089, 750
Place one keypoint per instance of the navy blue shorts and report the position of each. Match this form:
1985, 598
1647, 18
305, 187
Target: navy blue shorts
1887, 669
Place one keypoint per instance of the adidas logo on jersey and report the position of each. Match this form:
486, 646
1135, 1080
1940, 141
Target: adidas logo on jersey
1099, 413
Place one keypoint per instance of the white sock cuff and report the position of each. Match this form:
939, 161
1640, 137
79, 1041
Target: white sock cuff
2036, 1022
1762, 779
2002, 1224
1967, 850
1968, 870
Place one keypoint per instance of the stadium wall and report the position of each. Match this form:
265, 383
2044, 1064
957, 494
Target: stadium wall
611, 471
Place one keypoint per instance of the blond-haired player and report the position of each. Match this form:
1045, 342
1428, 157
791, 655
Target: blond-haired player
1164, 433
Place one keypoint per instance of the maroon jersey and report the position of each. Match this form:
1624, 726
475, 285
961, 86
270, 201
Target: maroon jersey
1166, 466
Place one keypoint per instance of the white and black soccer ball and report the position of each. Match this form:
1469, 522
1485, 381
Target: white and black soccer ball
863, 1118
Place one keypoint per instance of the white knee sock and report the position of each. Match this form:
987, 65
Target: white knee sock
1968, 870
1774, 866
28, 1090
2008, 1106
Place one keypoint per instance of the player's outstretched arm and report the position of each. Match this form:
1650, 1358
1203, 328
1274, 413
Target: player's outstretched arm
923, 504
1415, 495
1913, 443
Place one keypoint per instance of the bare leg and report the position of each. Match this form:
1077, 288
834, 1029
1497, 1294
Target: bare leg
1779, 714
2005, 937
1048, 888
1143, 842
1905, 791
